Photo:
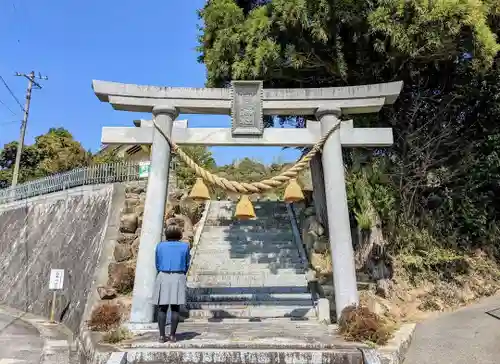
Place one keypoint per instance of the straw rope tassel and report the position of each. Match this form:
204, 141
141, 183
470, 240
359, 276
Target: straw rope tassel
199, 192
293, 192
244, 209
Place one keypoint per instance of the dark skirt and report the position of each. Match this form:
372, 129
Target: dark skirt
170, 289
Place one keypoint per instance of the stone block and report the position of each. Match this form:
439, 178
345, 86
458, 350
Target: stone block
139, 210
128, 223
323, 310
122, 252
126, 238
106, 293
131, 203
121, 276
117, 358
135, 247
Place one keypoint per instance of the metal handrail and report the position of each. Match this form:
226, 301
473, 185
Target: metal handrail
95, 174
296, 234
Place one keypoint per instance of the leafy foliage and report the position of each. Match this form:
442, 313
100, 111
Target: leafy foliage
53, 152
437, 189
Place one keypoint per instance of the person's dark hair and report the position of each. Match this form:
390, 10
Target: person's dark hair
173, 233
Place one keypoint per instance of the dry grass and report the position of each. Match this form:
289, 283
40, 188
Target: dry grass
116, 335
418, 294
105, 317
358, 323
322, 263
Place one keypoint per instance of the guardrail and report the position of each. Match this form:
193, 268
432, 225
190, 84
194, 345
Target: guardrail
96, 174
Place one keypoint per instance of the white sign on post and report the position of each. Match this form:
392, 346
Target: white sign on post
56, 279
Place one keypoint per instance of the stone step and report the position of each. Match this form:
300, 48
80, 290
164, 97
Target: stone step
272, 265
219, 260
241, 254
253, 312
246, 281
245, 355
245, 258
239, 341
233, 243
259, 297
244, 251
242, 305
199, 290
231, 222
248, 271
224, 230
232, 266
262, 236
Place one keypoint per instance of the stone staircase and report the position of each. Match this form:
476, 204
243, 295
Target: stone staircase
249, 270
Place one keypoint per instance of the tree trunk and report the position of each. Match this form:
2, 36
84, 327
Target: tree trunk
370, 256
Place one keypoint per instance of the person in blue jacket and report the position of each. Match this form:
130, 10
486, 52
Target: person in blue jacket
172, 263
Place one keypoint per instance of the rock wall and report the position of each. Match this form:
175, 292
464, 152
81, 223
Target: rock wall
65, 230
115, 281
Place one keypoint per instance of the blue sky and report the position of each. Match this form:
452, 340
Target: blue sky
73, 42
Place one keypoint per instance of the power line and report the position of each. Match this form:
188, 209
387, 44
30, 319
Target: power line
8, 108
10, 122
12, 93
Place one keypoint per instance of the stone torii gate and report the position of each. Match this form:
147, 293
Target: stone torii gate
247, 102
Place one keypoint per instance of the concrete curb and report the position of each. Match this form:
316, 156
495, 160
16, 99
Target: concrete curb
57, 338
395, 350
392, 353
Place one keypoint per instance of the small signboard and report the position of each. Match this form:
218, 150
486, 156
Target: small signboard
144, 168
56, 279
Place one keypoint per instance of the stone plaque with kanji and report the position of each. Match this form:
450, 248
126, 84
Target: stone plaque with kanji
246, 108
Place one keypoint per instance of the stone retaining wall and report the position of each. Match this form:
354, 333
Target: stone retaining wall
65, 230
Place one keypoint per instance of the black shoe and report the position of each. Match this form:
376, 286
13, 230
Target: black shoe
162, 339
172, 338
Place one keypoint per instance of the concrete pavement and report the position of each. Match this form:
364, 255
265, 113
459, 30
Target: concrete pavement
468, 335
20, 342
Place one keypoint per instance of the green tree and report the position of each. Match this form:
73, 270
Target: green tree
30, 160
53, 152
445, 162
106, 157
61, 152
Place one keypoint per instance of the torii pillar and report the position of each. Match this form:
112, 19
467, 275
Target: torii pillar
247, 101
151, 232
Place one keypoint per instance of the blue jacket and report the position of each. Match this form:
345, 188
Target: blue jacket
172, 256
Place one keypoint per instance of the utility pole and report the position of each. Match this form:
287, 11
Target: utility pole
31, 82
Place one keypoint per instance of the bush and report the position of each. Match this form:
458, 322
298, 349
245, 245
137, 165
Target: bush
116, 335
358, 323
105, 317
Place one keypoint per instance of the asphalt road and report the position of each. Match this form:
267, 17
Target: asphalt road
20, 343
466, 336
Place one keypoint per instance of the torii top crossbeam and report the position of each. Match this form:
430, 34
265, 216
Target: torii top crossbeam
247, 102
288, 101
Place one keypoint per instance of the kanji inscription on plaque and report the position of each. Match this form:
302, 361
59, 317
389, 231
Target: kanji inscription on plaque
246, 108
